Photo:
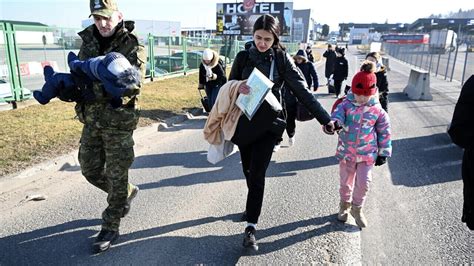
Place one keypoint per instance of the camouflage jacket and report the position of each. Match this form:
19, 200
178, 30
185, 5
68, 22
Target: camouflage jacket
98, 111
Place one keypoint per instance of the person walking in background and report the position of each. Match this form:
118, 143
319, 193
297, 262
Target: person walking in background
461, 132
309, 54
308, 69
363, 142
381, 73
330, 56
106, 147
268, 56
341, 70
211, 75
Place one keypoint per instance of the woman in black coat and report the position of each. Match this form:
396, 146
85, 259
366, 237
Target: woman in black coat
256, 154
461, 132
211, 75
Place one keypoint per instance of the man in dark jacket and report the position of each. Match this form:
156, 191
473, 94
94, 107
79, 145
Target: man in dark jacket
309, 54
341, 70
106, 150
330, 56
461, 132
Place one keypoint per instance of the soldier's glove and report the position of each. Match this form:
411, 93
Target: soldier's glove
115, 72
59, 85
380, 160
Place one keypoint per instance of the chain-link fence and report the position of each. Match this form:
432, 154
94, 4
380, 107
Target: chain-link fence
182, 54
25, 49
452, 63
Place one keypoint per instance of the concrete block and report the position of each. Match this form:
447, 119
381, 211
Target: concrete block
418, 87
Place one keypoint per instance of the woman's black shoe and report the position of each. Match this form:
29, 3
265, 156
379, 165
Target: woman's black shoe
249, 238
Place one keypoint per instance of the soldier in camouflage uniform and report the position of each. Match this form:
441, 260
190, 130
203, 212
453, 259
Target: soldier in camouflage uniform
106, 150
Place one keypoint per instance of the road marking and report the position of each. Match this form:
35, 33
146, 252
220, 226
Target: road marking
446, 164
439, 147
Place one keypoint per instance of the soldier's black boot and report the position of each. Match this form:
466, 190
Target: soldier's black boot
104, 240
249, 238
133, 194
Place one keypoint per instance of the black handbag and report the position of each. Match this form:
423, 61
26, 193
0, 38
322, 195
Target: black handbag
302, 114
278, 127
204, 101
264, 120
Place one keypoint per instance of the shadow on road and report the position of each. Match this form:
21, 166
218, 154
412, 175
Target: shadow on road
215, 249
70, 243
426, 160
66, 242
228, 169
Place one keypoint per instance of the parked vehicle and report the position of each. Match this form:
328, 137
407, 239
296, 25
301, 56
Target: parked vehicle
165, 64
442, 41
193, 58
332, 40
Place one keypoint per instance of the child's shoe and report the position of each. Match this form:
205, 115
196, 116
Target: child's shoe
344, 208
359, 216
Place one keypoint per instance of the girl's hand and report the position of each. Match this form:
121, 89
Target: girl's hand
244, 89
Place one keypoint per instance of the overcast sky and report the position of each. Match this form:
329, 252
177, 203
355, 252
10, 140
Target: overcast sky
194, 13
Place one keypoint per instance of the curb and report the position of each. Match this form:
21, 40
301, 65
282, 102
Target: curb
69, 162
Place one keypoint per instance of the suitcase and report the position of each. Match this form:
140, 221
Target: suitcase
204, 101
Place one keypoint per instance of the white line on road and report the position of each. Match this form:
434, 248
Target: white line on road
446, 164
439, 147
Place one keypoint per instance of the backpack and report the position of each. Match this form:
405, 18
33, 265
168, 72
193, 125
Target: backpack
337, 102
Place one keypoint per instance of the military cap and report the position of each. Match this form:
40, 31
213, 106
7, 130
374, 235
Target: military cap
104, 8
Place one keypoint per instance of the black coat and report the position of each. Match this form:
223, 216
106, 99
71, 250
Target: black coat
310, 56
330, 61
382, 83
309, 74
219, 70
341, 68
246, 60
461, 132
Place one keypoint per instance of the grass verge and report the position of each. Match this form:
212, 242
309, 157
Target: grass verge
39, 132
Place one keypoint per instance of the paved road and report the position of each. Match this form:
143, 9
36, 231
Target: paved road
187, 209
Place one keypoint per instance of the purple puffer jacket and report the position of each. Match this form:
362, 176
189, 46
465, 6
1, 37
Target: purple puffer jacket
366, 130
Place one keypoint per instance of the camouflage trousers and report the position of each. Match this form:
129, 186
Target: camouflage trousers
105, 156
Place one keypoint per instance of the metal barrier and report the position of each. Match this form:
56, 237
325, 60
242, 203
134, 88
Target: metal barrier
456, 63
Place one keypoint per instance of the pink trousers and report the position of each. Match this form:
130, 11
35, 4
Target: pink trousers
354, 183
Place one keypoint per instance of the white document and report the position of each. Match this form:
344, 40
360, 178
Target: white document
259, 85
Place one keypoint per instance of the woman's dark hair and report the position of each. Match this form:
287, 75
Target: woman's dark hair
270, 24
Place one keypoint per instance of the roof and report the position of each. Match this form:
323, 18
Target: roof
427, 24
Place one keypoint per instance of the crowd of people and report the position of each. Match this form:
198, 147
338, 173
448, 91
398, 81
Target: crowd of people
109, 112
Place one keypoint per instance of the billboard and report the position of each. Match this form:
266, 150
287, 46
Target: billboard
233, 19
